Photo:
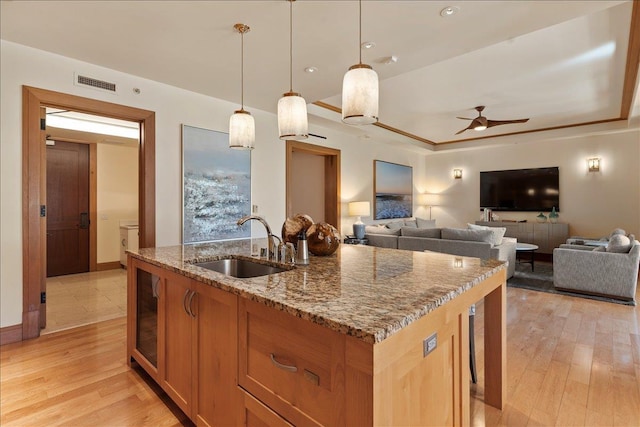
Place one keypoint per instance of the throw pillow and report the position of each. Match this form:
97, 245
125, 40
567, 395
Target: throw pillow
498, 232
411, 223
619, 244
617, 231
600, 249
426, 223
433, 233
375, 229
395, 225
469, 235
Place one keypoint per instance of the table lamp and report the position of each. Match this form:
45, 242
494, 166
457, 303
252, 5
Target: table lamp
359, 209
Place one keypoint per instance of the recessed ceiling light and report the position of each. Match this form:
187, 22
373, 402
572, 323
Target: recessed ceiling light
310, 70
449, 11
368, 45
390, 60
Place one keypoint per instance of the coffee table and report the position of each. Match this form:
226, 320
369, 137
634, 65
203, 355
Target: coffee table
526, 247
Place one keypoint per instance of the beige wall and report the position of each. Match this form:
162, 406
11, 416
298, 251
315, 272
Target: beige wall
592, 203
117, 177
308, 185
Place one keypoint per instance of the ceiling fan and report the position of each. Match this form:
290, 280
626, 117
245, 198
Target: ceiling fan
481, 122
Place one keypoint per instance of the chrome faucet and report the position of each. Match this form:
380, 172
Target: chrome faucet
272, 250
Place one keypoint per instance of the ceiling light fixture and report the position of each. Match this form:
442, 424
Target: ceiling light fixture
292, 108
449, 11
360, 90
368, 45
242, 127
310, 70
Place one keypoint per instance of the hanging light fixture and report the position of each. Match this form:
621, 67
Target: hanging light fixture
360, 90
242, 127
292, 108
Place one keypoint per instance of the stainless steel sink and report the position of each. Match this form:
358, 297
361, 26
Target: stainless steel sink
241, 268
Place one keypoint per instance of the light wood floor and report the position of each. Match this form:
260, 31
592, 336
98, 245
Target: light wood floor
81, 299
571, 361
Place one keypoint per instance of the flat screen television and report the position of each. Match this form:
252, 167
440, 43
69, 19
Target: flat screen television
525, 190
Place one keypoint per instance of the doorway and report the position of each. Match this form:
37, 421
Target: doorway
35, 191
313, 182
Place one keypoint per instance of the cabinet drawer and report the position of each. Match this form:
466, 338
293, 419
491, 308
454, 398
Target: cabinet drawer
292, 365
255, 414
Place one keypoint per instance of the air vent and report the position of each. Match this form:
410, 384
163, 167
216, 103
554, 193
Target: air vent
95, 83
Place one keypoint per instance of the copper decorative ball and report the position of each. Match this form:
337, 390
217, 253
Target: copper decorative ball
292, 227
322, 239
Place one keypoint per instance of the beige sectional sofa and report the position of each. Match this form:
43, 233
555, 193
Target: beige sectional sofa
479, 243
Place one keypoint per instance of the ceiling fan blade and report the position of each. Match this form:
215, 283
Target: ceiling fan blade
492, 123
464, 118
467, 128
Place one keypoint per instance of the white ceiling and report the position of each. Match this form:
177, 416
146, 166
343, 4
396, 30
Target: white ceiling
558, 63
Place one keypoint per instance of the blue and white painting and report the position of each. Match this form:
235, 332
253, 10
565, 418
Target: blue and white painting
393, 188
216, 187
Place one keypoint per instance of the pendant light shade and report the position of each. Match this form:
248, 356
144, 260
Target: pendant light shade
360, 95
360, 90
292, 117
242, 127
292, 108
242, 130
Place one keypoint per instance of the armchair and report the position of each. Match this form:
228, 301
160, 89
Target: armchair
597, 272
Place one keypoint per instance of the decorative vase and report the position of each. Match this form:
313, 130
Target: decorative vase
292, 227
541, 217
553, 216
322, 239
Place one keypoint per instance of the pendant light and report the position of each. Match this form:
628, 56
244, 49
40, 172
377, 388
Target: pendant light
292, 108
242, 127
360, 90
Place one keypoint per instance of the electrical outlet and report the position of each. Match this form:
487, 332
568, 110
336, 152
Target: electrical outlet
429, 344
254, 209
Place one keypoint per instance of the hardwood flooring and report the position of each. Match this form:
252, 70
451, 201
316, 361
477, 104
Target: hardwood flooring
80, 299
571, 361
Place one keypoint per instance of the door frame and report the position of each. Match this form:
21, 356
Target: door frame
34, 186
331, 169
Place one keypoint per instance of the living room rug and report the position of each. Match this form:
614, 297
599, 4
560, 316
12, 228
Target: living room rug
541, 280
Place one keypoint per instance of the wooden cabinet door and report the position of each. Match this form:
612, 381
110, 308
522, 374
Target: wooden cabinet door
178, 321
216, 340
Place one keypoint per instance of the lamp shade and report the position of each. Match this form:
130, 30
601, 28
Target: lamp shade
428, 199
292, 117
242, 130
359, 209
360, 95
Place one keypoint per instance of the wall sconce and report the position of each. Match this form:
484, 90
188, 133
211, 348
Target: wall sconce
594, 164
457, 173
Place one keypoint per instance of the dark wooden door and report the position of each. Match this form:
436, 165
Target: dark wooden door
67, 208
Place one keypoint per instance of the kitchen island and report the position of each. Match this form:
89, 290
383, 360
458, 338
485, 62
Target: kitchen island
367, 336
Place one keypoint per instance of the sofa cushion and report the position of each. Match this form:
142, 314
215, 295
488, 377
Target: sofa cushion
498, 232
433, 233
411, 223
467, 234
426, 223
394, 225
377, 229
619, 243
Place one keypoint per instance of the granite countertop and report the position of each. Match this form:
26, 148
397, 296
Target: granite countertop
363, 291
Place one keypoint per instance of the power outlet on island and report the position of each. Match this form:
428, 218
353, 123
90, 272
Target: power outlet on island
254, 209
429, 344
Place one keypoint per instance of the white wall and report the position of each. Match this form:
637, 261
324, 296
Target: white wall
117, 182
20, 65
592, 203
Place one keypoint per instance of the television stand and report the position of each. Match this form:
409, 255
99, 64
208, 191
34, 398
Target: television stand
545, 235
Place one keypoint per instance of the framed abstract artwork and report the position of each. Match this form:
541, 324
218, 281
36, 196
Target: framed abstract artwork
393, 190
216, 187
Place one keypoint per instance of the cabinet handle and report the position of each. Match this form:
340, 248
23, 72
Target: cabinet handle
191, 313
282, 366
154, 287
184, 301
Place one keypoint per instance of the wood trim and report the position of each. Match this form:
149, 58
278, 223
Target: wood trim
93, 207
34, 185
332, 188
102, 266
10, 334
633, 63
